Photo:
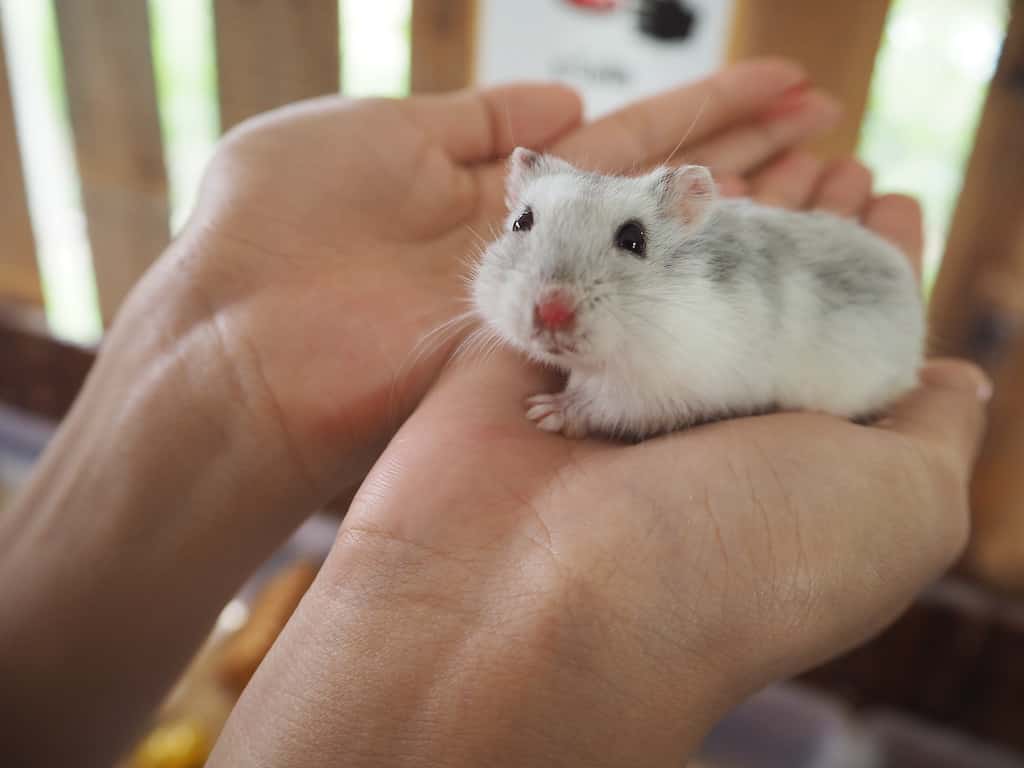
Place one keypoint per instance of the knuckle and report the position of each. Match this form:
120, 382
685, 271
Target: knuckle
862, 174
909, 206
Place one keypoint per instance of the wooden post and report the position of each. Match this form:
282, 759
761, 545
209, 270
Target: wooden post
274, 52
443, 44
108, 68
19, 276
38, 374
982, 276
836, 42
977, 311
996, 552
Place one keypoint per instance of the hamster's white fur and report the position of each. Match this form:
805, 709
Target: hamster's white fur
733, 308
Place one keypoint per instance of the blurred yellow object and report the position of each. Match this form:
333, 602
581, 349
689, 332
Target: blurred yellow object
175, 745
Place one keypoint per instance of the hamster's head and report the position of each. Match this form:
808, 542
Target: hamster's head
585, 259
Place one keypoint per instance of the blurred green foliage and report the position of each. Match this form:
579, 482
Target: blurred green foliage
932, 73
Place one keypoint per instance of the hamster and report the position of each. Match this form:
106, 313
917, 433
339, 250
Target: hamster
669, 306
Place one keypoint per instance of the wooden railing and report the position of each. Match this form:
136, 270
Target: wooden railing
272, 52
268, 52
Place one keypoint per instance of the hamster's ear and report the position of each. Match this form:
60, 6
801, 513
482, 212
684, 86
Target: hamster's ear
525, 165
688, 191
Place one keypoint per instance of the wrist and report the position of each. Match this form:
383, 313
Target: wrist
161, 491
409, 656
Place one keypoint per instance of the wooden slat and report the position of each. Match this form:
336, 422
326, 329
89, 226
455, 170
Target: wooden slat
38, 374
273, 52
108, 69
836, 42
996, 551
975, 289
443, 44
952, 659
977, 311
19, 277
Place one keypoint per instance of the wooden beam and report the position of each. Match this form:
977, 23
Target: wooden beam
836, 42
273, 52
996, 552
443, 45
108, 68
19, 275
38, 374
980, 284
977, 311
950, 660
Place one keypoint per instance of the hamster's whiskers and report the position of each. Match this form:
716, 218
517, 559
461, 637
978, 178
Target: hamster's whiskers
427, 345
647, 322
434, 339
470, 270
483, 243
482, 342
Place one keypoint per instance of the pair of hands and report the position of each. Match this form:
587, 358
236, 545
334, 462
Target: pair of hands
671, 577
496, 594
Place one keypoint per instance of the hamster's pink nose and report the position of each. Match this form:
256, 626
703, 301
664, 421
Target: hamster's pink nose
554, 312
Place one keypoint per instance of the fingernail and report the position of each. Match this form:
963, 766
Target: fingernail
962, 376
985, 391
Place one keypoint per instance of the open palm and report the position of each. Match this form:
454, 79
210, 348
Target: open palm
501, 589
759, 546
493, 581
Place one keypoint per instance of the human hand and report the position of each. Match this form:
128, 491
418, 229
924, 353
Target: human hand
251, 376
502, 596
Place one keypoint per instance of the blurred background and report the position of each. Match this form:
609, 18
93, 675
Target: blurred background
110, 109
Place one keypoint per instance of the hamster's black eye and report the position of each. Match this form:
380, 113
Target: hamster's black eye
630, 237
525, 221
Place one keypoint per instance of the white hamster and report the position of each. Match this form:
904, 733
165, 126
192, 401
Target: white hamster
669, 306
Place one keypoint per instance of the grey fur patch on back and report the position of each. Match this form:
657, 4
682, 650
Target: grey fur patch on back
725, 254
734, 249
781, 239
853, 281
717, 248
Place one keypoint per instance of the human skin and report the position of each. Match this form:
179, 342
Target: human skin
250, 380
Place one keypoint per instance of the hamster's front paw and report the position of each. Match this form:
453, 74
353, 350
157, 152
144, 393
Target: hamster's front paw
558, 412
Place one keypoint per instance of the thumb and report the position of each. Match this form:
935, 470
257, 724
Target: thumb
948, 410
482, 125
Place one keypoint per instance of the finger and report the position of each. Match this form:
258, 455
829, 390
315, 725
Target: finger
948, 410
750, 144
507, 378
649, 131
731, 185
481, 125
844, 189
787, 182
898, 219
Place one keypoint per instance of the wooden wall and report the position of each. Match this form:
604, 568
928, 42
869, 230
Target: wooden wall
978, 310
443, 44
837, 42
271, 53
19, 278
108, 69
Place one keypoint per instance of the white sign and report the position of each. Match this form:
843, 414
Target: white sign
611, 51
